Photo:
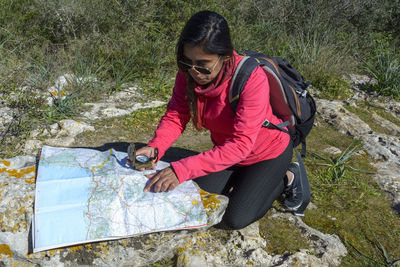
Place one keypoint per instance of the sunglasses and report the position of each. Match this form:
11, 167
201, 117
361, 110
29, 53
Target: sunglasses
203, 70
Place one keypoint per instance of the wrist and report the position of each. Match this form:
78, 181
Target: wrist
176, 176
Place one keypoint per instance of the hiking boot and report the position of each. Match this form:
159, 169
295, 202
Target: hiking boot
297, 195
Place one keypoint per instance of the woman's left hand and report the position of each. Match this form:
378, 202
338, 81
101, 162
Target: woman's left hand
162, 181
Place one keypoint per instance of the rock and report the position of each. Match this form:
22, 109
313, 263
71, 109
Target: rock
388, 178
393, 128
55, 128
360, 81
110, 110
247, 247
383, 147
332, 150
5, 117
58, 90
71, 128
346, 122
189, 260
64, 142
32, 146
206, 246
64, 133
125, 96
198, 247
119, 104
312, 206
328, 248
243, 247
17, 185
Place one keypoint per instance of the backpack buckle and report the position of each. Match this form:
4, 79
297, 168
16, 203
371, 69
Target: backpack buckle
266, 123
302, 93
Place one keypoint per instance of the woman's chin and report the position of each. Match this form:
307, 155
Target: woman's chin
201, 81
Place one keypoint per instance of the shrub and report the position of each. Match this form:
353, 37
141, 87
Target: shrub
384, 66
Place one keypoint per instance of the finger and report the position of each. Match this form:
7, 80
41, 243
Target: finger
172, 186
152, 167
151, 175
158, 186
165, 186
154, 180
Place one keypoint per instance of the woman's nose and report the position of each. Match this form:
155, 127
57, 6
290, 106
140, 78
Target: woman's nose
194, 71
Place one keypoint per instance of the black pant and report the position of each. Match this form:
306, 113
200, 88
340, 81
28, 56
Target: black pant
251, 189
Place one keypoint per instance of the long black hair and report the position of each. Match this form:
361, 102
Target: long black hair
210, 31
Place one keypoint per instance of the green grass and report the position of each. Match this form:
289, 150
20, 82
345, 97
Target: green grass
281, 236
370, 107
351, 206
123, 43
362, 212
384, 66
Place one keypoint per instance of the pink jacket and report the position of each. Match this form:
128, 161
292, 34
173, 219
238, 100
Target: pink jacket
238, 139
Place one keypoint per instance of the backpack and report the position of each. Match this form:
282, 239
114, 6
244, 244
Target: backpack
289, 97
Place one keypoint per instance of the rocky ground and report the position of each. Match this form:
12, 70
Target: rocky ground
205, 247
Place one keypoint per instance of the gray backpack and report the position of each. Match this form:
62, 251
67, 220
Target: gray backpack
289, 97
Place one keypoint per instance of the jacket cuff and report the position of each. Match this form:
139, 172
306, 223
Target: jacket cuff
180, 171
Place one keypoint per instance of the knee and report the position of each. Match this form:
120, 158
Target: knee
235, 223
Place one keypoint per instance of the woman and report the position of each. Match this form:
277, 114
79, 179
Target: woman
248, 162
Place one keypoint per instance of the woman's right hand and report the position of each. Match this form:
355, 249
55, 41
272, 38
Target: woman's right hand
149, 152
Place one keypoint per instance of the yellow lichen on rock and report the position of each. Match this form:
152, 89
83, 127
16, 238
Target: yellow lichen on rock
183, 258
103, 247
210, 201
30, 180
51, 252
5, 250
18, 173
200, 234
5, 163
99, 249
75, 248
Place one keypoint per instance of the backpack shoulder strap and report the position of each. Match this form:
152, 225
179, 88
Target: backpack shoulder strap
242, 73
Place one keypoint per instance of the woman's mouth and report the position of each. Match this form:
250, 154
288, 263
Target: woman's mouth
199, 80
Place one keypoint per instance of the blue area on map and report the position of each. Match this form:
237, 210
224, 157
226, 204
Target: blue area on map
59, 172
70, 224
75, 193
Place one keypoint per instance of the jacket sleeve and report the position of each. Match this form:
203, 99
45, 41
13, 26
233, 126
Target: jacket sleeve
174, 121
250, 114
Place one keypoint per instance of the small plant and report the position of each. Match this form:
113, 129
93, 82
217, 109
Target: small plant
331, 87
337, 166
62, 108
384, 258
122, 73
384, 66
